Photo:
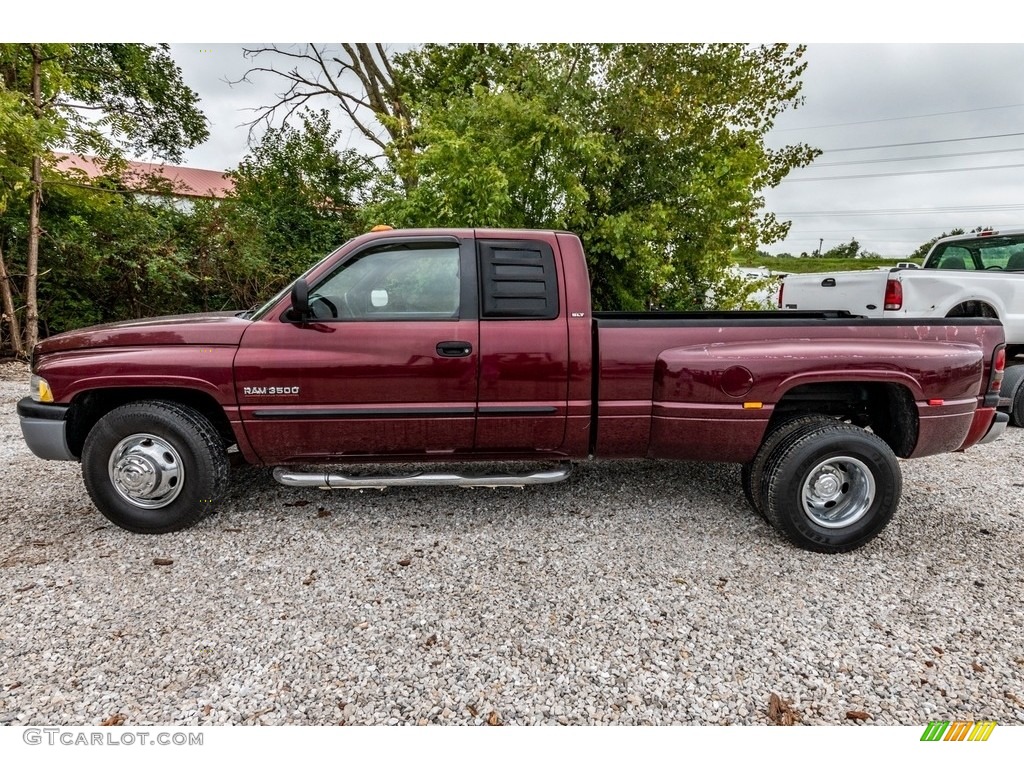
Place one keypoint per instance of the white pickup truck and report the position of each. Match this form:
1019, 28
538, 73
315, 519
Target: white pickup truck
975, 275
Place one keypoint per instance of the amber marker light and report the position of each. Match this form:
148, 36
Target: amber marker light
40, 390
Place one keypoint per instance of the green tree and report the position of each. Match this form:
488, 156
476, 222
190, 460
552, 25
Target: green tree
357, 77
850, 250
490, 152
110, 253
19, 136
922, 250
680, 198
92, 98
296, 198
655, 154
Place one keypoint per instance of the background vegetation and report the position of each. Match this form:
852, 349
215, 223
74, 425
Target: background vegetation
654, 154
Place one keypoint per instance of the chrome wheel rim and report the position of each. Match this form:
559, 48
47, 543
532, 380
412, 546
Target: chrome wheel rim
838, 492
146, 471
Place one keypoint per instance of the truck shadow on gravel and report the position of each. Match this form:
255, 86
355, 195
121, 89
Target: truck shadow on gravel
674, 490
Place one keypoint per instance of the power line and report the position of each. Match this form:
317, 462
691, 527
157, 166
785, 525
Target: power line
918, 157
869, 229
921, 143
908, 211
854, 234
891, 119
905, 173
814, 241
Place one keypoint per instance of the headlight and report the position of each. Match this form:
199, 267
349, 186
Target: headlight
40, 390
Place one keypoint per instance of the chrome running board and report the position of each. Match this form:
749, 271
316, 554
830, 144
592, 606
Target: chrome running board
331, 480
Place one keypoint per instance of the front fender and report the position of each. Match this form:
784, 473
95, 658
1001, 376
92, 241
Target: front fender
207, 369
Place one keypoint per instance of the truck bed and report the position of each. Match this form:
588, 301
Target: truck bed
706, 385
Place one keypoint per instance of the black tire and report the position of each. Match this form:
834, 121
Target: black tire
154, 466
857, 490
752, 472
1013, 390
1017, 409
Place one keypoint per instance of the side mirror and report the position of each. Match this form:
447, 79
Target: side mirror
300, 301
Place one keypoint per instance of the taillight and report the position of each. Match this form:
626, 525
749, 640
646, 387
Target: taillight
893, 294
782, 287
995, 381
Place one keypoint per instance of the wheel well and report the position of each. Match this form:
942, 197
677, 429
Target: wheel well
888, 409
973, 308
89, 407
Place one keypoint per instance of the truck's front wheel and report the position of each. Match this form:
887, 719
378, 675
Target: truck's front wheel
832, 489
154, 466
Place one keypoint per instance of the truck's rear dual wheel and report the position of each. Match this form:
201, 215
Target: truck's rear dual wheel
154, 466
831, 489
752, 473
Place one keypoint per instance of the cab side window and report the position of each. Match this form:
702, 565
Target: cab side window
395, 282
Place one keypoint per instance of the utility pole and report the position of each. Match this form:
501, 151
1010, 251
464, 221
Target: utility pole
817, 253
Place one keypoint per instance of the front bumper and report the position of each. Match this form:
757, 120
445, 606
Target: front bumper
44, 427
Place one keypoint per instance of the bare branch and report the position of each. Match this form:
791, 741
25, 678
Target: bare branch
335, 86
252, 53
352, 66
305, 86
314, 71
373, 75
387, 64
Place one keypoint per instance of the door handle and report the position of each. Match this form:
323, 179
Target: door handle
454, 348
828, 282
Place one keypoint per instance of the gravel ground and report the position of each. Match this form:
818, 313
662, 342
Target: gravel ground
636, 592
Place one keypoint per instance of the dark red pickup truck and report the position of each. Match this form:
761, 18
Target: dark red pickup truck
480, 345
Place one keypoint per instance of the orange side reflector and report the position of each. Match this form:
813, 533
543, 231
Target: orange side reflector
753, 406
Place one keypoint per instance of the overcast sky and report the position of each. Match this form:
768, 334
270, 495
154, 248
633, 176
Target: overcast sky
965, 102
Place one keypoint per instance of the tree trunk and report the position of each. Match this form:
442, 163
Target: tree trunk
8, 308
32, 263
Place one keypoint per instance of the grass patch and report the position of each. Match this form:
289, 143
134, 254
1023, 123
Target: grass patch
816, 265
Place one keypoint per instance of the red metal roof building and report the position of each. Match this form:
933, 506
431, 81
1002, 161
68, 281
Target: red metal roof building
185, 182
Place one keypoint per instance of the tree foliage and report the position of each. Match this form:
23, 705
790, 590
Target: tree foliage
655, 154
102, 98
296, 198
922, 250
94, 98
850, 250
112, 254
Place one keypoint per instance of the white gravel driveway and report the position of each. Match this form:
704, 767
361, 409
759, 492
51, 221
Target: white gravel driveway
637, 592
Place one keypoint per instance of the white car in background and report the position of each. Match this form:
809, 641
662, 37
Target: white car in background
975, 275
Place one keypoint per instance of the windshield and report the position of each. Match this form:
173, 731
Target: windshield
999, 253
266, 307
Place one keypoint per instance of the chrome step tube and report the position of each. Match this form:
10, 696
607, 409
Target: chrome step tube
333, 480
